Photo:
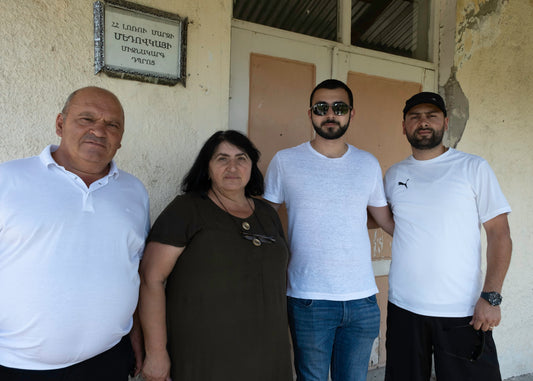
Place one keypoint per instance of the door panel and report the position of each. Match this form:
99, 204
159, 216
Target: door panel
269, 42
377, 125
279, 91
377, 128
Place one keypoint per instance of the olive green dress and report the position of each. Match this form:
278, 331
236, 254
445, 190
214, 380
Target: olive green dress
225, 298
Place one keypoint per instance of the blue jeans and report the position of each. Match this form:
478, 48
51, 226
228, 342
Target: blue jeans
333, 333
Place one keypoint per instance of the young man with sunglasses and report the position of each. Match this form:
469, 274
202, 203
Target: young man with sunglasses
438, 305
327, 186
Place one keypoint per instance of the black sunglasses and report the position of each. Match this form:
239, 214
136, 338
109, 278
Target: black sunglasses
339, 108
257, 239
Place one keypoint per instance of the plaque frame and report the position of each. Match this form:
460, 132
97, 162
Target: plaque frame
158, 58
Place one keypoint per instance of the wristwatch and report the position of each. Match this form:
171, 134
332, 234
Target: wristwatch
492, 297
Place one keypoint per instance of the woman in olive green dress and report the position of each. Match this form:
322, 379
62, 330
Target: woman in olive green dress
223, 256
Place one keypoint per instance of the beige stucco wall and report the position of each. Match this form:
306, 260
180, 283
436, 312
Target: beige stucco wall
493, 57
47, 51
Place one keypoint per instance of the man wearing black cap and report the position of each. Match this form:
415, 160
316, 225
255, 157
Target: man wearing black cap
438, 303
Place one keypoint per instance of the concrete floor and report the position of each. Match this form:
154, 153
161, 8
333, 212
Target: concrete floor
379, 375
525, 377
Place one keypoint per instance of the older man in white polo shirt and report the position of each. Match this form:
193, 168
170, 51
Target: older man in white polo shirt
72, 231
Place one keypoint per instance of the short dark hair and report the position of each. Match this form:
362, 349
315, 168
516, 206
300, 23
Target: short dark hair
331, 84
197, 179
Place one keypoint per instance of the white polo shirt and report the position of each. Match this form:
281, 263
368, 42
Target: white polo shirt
69, 257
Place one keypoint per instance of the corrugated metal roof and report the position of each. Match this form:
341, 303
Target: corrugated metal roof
384, 25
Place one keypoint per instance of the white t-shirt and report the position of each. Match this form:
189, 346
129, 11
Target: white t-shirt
68, 262
326, 200
439, 206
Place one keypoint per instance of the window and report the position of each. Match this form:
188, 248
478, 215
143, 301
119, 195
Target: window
399, 27
317, 18
393, 26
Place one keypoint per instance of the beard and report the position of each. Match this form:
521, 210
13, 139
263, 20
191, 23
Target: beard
426, 142
330, 132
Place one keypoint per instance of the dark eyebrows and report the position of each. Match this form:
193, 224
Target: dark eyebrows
332, 103
93, 116
85, 113
409, 113
240, 154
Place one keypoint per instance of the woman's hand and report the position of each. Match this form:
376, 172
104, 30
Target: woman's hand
156, 367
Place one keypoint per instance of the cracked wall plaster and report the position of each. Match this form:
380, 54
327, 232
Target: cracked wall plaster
477, 28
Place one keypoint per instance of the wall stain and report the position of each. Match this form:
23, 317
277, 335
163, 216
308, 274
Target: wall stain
477, 26
476, 22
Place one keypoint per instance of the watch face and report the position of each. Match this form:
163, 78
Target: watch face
494, 298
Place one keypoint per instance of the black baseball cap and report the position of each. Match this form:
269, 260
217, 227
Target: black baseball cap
424, 97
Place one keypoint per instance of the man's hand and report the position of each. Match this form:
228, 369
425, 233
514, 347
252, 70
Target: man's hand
499, 247
157, 368
137, 344
485, 316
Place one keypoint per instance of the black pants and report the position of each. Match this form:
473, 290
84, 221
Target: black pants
460, 352
112, 365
